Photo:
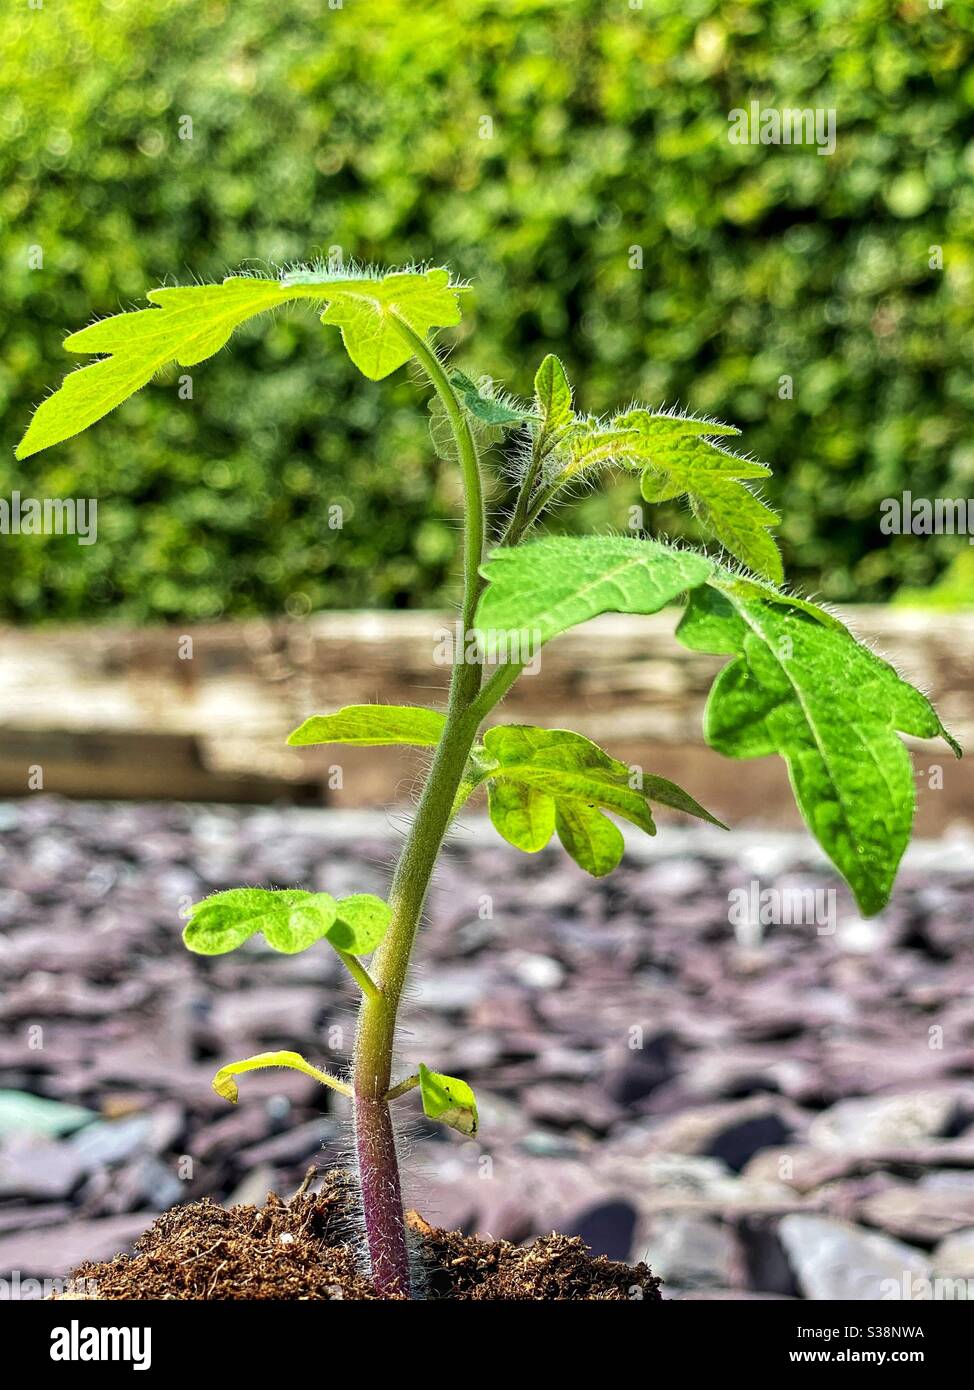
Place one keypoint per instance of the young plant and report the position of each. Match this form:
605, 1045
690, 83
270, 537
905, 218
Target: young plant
797, 683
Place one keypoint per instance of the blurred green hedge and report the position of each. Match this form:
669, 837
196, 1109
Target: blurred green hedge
532, 144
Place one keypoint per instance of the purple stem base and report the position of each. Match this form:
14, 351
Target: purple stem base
385, 1228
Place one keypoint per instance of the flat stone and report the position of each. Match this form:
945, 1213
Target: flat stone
954, 1257
55, 1251
39, 1169
733, 1132
837, 1260
692, 1252
111, 1141
923, 1215
898, 1120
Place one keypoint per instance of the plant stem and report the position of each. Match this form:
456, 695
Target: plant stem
375, 1038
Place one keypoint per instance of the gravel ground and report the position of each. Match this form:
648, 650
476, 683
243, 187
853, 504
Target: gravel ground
777, 1111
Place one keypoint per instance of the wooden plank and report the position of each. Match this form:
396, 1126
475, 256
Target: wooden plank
203, 713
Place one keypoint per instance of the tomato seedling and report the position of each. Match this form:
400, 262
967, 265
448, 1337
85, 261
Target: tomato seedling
797, 683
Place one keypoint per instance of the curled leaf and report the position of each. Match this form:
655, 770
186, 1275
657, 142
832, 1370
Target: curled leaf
449, 1100
225, 1085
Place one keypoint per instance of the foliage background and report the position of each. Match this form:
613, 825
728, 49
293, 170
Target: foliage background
361, 127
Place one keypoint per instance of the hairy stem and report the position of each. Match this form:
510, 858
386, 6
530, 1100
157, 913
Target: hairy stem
375, 1039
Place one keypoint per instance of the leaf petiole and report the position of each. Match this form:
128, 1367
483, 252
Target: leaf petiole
359, 974
402, 1088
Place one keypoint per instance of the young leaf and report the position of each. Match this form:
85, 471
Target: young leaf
677, 458
448, 1099
483, 405
192, 323
369, 312
592, 840
444, 440
291, 920
189, 325
524, 816
225, 1085
361, 922
549, 585
372, 725
553, 396
804, 688
542, 780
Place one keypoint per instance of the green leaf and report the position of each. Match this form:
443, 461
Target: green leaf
483, 405
225, 1085
189, 325
193, 322
677, 458
592, 840
442, 436
373, 725
553, 396
522, 814
540, 780
449, 1100
549, 585
361, 922
803, 687
291, 920
369, 311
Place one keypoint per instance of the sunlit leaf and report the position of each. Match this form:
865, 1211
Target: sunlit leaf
290, 919
540, 780
547, 586
374, 725
803, 687
193, 322
369, 310
225, 1085
361, 921
677, 458
553, 397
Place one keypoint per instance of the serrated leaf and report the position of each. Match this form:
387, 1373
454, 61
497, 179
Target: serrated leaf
189, 325
225, 1085
547, 586
449, 1100
369, 311
803, 687
373, 726
193, 322
540, 780
290, 919
677, 458
553, 396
